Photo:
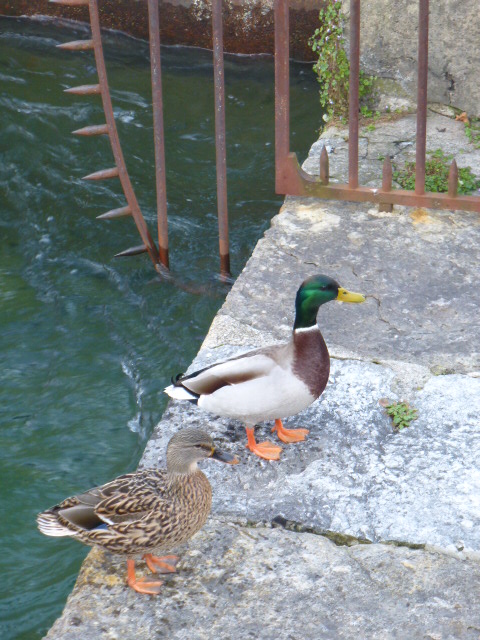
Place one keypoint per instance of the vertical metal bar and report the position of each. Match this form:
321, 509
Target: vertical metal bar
421, 97
387, 176
453, 179
220, 144
158, 134
353, 98
113, 135
282, 85
324, 166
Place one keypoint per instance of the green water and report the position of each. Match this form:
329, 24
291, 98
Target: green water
88, 342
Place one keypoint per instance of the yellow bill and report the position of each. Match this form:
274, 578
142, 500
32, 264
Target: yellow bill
348, 296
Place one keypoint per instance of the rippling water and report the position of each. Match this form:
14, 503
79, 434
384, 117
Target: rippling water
87, 342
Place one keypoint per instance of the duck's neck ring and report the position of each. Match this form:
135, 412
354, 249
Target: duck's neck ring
313, 327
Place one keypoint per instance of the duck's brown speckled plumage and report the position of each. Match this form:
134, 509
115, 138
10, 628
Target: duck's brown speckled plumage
145, 512
150, 512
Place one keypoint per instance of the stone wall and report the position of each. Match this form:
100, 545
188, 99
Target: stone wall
389, 42
248, 24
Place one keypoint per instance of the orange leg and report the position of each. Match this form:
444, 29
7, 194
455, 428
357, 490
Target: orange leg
142, 585
266, 450
165, 564
289, 435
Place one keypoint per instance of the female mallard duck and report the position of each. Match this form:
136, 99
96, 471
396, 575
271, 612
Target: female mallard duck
145, 512
273, 382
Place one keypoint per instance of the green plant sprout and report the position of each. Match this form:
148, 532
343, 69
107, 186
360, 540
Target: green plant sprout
472, 131
332, 66
436, 175
401, 414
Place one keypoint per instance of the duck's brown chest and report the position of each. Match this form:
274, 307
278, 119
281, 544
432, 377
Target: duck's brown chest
311, 361
193, 501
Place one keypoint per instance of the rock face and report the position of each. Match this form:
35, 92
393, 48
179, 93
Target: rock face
248, 25
358, 531
389, 43
247, 583
388, 37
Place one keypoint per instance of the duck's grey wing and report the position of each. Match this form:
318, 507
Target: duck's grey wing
248, 366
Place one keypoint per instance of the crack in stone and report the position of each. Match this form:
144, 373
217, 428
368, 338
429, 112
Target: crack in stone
338, 538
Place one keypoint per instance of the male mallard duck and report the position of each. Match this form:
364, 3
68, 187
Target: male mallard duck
145, 512
273, 382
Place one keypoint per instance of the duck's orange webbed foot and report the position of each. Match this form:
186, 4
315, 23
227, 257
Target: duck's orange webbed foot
142, 585
265, 450
289, 435
165, 564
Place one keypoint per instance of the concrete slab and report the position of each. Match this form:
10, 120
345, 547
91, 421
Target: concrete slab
353, 480
247, 583
354, 475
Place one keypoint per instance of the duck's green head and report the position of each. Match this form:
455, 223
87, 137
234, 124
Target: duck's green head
314, 292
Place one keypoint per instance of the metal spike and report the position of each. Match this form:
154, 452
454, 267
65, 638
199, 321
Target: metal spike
386, 184
70, 3
453, 180
116, 213
133, 251
324, 168
103, 174
76, 45
84, 89
93, 130
387, 175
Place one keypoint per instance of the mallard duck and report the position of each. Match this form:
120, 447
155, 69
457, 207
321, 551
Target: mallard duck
273, 382
145, 512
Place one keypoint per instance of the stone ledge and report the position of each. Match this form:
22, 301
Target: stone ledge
352, 477
245, 582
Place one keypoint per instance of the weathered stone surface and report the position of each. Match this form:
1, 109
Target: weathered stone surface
354, 475
417, 269
416, 339
389, 45
242, 583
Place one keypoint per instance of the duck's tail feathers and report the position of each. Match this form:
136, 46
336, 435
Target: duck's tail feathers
50, 526
179, 392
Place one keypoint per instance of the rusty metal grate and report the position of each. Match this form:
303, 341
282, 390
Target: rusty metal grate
160, 256
292, 180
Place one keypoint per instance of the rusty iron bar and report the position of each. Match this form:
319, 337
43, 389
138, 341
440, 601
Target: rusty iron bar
220, 139
453, 179
353, 93
158, 132
114, 139
324, 166
282, 98
386, 183
300, 183
422, 97
71, 3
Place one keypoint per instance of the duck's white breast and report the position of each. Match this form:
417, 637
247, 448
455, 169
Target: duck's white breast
277, 395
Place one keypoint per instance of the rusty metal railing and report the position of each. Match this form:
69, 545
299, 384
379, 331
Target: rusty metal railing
291, 179
110, 128
160, 256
